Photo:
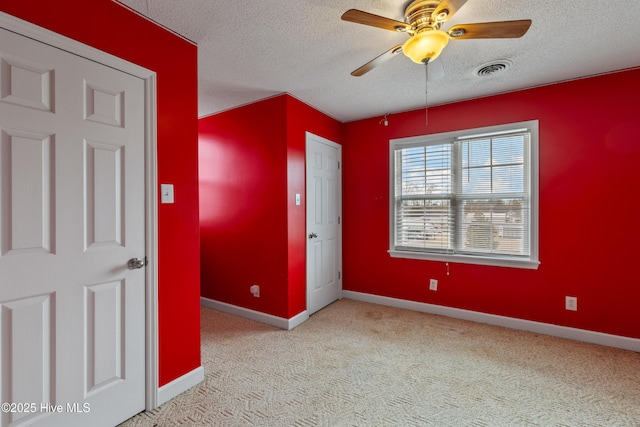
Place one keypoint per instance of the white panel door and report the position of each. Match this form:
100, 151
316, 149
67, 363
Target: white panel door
72, 325
324, 251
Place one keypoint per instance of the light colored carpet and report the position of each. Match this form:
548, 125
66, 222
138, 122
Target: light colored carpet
361, 364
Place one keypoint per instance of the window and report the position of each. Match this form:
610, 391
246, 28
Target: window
468, 196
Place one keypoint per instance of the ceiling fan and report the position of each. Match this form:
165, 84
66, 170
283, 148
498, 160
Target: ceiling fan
423, 19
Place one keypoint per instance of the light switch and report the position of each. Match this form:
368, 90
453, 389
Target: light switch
166, 192
297, 199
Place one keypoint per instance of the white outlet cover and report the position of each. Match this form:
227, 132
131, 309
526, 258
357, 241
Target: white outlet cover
571, 303
433, 284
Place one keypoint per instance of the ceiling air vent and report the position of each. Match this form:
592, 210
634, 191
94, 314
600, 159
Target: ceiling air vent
493, 68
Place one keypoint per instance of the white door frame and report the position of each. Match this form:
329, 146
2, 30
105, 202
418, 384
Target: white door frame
59, 41
310, 136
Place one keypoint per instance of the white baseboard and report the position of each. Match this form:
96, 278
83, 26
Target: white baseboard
600, 338
298, 319
278, 322
180, 385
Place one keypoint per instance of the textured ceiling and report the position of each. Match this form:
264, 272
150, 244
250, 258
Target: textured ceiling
253, 49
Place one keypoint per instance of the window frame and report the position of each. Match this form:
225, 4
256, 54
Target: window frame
502, 260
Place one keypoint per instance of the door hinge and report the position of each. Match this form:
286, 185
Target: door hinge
339, 275
338, 164
338, 220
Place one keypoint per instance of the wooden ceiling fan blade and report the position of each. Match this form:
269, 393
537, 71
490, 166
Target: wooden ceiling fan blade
448, 6
365, 18
377, 61
490, 30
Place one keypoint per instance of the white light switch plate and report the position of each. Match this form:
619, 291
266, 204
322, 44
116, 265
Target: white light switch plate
166, 193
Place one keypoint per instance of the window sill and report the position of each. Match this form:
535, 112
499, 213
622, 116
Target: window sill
468, 259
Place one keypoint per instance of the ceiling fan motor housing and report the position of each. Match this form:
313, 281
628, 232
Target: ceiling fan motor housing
419, 15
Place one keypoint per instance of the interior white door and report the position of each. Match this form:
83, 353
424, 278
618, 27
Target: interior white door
72, 214
324, 240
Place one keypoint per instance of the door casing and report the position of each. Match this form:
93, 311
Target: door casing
59, 41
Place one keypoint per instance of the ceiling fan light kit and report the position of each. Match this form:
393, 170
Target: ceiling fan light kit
425, 46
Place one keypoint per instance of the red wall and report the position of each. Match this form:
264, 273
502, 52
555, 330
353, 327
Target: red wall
251, 167
107, 26
589, 208
243, 210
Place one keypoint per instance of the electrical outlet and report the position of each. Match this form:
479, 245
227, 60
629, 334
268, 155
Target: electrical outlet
433, 284
571, 303
255, 291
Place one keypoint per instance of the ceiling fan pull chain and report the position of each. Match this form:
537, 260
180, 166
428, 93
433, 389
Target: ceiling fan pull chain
426, 91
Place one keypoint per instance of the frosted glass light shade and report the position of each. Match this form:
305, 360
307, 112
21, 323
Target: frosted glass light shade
425, 45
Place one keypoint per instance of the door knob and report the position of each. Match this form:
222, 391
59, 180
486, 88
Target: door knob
313, 235
136, 263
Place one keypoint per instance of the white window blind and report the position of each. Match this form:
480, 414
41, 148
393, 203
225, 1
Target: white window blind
468, 195
424, 197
